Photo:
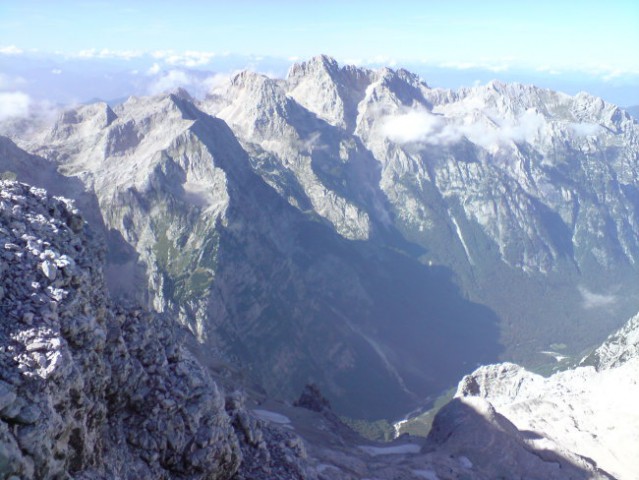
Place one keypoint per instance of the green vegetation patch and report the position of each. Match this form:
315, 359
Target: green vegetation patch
377, 430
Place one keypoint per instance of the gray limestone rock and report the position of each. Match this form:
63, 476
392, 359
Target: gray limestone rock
87, 389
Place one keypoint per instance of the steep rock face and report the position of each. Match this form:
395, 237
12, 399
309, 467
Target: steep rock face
589, 412
86, 390
305, 160
524, 192
620, 347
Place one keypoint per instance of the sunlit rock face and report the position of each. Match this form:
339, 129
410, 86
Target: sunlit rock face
588, 411
357, 228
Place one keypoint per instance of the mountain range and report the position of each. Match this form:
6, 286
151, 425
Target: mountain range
356, 228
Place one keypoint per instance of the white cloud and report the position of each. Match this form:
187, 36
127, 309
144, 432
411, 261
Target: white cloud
172, 80
592, 300
607, 72
196, 85
491, 66
56, 71
11, 50
421, 126
190, 58
215, 81
9, 82
524, 128
548, 69
585, 129
107, 53
154, 70
14, 104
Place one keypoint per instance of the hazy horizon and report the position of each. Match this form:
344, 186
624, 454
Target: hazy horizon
75, 51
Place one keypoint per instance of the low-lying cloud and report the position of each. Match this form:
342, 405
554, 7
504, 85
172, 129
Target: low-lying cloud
421, 126
592, 300
14, 104
585, 129
11, 50
11, 82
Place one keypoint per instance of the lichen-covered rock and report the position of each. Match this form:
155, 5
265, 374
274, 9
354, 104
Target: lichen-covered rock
88, 390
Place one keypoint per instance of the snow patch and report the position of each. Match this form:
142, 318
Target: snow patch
392, 450
397, 426
461, 239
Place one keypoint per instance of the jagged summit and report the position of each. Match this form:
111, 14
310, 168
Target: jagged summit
330, 91
319, 63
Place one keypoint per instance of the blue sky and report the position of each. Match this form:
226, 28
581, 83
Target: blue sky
557, 42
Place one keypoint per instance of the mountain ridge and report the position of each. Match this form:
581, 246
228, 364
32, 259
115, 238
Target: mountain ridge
491, 197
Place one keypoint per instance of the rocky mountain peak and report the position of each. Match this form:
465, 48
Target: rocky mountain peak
100, 114
183, 94
328, 90
85, 117
314, 66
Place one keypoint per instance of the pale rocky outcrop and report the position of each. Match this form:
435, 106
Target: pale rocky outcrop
586, 414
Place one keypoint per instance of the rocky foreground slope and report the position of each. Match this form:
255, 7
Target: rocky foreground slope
94, 390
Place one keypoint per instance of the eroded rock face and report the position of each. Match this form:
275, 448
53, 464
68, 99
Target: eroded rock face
88, 390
